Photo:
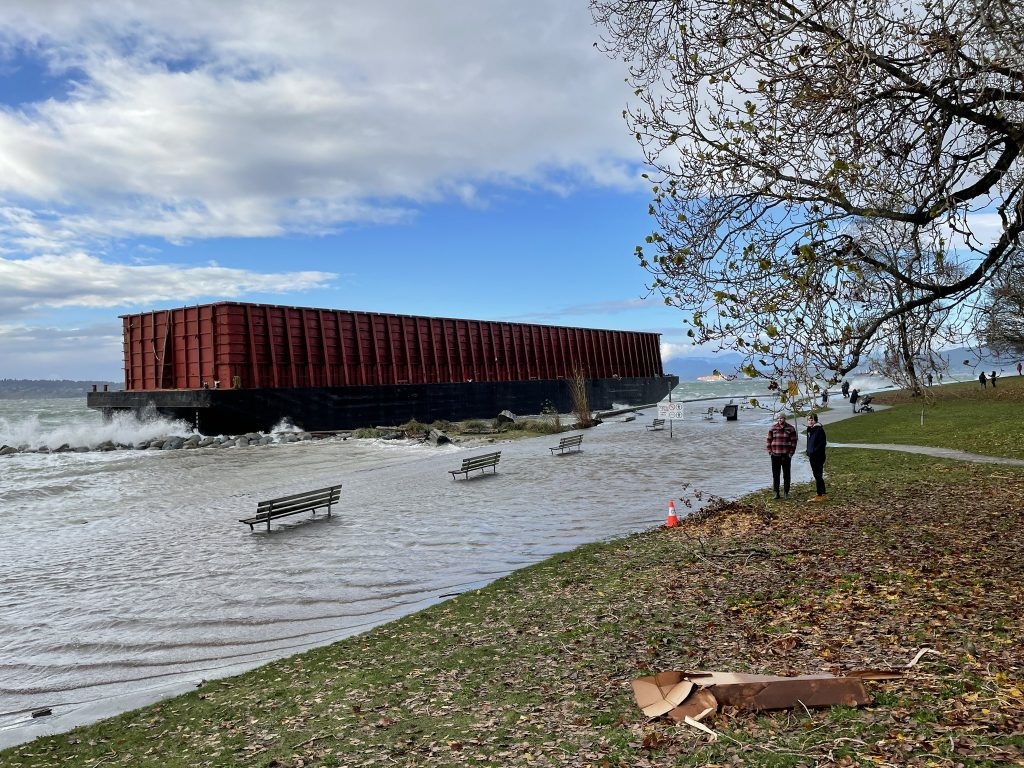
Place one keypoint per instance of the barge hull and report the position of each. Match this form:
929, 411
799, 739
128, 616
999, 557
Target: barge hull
236, 411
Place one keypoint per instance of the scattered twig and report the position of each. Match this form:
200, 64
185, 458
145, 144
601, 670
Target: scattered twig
921, 653
704, 714
709, 562
765, 553
701, 727
310, 740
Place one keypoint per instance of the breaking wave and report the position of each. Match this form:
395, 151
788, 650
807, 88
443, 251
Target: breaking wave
31, 432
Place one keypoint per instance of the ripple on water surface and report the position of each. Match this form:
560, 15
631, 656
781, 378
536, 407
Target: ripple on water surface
130, 569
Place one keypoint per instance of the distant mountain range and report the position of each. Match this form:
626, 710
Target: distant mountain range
689, 368
18, 389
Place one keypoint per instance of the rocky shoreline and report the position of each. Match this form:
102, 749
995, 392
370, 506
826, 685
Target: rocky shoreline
248, 440
175, 442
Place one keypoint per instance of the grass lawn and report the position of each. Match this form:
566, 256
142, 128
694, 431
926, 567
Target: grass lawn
911, 552
961, 416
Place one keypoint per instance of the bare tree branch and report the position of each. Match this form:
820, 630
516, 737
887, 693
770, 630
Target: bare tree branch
777, 131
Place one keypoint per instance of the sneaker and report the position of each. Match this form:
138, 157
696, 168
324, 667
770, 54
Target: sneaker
776, 497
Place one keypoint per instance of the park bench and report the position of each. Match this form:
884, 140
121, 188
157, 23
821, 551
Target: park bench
568, 443
477, 462
656, 424
309, 501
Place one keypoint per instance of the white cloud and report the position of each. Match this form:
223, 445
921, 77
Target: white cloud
252, 119
595, 308
674, 349
91, 352
81, 280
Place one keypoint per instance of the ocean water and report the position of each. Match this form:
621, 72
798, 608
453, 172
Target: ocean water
126, 576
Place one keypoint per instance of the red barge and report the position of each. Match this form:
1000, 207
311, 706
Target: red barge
231, 367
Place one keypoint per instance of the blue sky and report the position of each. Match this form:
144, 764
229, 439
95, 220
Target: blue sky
461, 159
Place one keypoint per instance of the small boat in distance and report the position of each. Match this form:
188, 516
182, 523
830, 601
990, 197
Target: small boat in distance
716, 377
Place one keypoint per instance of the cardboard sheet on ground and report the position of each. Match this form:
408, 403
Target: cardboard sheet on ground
686, 694
662, 692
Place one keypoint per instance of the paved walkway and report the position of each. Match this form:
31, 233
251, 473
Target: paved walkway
945, 453
840, 412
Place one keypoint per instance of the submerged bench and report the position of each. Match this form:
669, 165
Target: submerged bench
656, 424
568, 443
477, 462
310, 501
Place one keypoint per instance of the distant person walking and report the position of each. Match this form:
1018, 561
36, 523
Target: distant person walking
929, 379
845, 389
824, 398
1019, 366
854, 396
982, 380
993, 379
816, 442
781, 445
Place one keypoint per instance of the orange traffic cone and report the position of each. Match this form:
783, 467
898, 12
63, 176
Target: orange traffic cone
672, 521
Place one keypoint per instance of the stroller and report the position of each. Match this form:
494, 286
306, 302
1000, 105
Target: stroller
864, 405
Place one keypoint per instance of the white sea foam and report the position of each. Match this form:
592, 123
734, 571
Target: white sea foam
31, 433
132, 561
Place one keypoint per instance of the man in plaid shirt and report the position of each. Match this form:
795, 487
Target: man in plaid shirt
781, 446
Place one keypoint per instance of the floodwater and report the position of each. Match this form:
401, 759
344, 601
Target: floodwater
126, 576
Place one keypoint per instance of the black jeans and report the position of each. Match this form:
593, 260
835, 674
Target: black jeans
780, 463
818, 468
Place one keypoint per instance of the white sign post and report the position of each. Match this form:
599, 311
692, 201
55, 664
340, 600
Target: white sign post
670, 410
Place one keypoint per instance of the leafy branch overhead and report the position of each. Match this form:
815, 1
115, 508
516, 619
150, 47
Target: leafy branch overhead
783, 135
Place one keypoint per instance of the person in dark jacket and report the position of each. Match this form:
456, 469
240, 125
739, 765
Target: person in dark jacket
781, 446
982, 380
854, 397
816, 442
845, 389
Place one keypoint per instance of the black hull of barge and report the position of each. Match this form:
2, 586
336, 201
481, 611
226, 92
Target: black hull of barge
318, 409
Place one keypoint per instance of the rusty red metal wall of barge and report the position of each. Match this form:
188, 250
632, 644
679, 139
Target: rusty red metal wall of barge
275, 346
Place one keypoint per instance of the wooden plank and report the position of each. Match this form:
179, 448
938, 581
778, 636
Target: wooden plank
301, 496
307, 501
477, 462
567, 443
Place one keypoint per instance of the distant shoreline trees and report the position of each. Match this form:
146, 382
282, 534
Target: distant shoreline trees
12, 389
1003, 313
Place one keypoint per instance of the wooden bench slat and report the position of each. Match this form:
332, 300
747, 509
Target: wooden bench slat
575, 441
480, 462
302, 501
304, 494
283, 506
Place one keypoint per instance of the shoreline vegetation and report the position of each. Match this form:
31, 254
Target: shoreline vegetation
911, 557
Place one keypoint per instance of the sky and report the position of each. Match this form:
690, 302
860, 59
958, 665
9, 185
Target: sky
457, 159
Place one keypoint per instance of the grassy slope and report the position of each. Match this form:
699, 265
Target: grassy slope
961, 416
534, 670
